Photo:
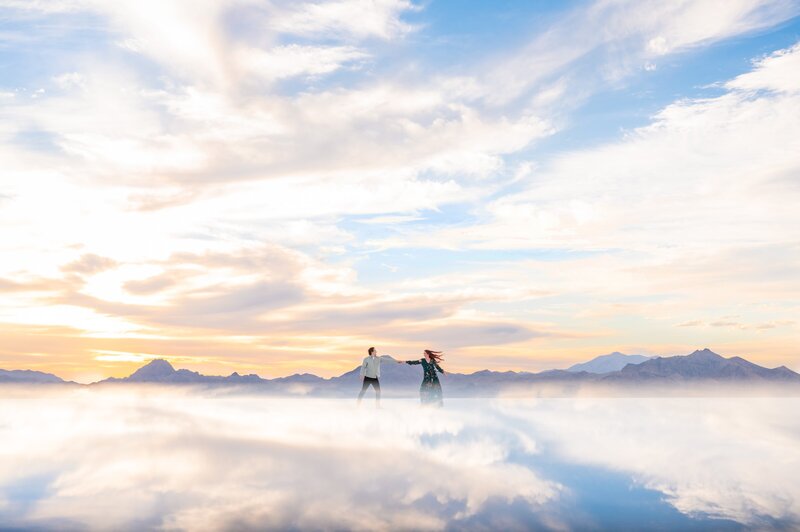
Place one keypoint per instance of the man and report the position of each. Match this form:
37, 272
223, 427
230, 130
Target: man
371, 373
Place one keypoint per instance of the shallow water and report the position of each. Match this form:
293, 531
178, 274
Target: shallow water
150, 458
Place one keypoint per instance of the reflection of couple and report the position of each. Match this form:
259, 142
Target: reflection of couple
430, 391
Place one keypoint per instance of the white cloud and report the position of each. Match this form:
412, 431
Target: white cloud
293, 60
357, 19
706, 174
608, 40
679, 25
174, 135
776, 72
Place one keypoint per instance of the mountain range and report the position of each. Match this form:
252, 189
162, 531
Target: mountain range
608, 363
614, 369
18, 376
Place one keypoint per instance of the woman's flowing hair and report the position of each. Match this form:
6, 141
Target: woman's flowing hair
435, 356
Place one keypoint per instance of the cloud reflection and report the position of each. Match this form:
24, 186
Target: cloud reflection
154, 458
728, 458
182, 460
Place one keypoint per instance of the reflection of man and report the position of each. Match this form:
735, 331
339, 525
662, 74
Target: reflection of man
371, 373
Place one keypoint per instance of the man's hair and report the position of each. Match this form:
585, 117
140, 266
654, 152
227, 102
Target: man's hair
371, 350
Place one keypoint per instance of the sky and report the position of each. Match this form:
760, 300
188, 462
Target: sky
272, 187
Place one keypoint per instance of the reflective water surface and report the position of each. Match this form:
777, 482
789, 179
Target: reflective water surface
151, 458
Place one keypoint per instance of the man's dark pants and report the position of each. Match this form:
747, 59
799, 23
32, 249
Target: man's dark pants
369, 381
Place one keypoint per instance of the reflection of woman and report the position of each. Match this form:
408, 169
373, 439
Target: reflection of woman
430, 391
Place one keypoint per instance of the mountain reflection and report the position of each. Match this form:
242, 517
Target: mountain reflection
165, 458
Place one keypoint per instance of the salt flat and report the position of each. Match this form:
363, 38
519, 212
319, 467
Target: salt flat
185, 459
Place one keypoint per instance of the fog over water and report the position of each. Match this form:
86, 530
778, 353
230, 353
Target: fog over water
182, 458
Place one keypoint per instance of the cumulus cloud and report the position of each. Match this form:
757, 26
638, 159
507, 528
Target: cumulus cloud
215, 127
718, 162
770, 73
698, 206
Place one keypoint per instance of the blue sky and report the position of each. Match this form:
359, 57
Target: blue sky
271, 186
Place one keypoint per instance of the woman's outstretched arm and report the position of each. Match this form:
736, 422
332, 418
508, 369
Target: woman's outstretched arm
413, 362
438, 368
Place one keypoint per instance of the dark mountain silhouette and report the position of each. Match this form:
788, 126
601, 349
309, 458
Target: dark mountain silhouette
160, 371
702, 366
608, 363
27, 376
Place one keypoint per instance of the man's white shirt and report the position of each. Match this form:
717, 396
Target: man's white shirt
371, 367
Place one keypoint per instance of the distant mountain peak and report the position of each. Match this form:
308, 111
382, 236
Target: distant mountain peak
705, 353
154, 370
159, 363
608, 363
27, 376
702, 365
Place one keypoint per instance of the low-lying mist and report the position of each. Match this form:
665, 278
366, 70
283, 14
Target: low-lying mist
148, 457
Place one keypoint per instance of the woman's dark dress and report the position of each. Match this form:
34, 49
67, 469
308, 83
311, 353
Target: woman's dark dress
430, 391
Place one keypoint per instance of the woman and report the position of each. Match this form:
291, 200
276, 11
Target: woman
430, 391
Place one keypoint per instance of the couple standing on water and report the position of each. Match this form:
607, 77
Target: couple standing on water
430, 391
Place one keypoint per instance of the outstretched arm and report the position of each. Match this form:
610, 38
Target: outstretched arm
438, 368
390, 357
413, 362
